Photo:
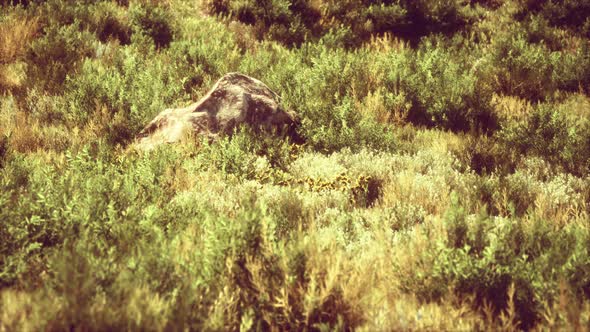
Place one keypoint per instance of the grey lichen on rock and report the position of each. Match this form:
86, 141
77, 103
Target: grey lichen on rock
235, 99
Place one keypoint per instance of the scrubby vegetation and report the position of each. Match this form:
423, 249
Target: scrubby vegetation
443, 182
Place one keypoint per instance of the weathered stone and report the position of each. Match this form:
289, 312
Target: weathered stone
234, 100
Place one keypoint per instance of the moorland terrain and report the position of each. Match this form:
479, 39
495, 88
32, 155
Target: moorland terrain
443, 181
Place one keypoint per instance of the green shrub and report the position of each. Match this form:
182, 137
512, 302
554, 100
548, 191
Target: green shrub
443, 89
322, 86
104, 19
108, 22
57, 54
486, 155
441, 16
292, 23
547, 133
364, 18
48, 109
527, 67
485, 256
131, 89
571, 14
194, 59
57, 201
154, 21
247, 155
409, 19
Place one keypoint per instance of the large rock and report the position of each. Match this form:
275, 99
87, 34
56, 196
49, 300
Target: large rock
234, 100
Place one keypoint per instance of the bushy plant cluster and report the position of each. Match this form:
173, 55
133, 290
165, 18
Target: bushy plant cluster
565, 141
537, 54
484, 257
441, 180
294, 22
571, 14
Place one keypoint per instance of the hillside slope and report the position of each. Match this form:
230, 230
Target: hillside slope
443, 182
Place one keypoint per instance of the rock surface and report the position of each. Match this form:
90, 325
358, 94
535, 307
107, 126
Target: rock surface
234, 100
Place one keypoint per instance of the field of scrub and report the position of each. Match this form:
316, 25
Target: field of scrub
443, 182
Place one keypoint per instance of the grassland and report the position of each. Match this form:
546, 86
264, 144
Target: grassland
444, 182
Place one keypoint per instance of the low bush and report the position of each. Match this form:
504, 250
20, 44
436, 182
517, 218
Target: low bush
292, 23
504, 264
547, 133
4, 153
325, 87
248, 155
131, 89
105, 19
55, 201
153, 21
57, 53
196, 57
534, 72
447, 93
570, 14
15, 35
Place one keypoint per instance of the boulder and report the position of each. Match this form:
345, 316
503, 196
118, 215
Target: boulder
235, 99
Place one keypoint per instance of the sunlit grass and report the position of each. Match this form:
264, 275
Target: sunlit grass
442, 185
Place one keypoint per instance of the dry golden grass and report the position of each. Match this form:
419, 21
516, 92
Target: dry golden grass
11, 75
386, 43
27, 311
26, 134
373, 106
15, 35
561, 213
511, 108
577, 107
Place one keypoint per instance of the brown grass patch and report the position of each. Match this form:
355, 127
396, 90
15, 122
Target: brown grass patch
511, 108
386, 43
15, 36
26, 134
